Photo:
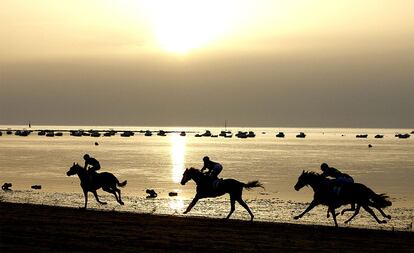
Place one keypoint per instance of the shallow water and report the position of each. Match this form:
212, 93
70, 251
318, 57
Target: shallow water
158, 163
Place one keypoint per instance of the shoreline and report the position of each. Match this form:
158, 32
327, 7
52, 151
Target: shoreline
39, 228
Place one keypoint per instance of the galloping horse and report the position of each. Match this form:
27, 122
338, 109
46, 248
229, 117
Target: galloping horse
353, 193
205, 189
106, 180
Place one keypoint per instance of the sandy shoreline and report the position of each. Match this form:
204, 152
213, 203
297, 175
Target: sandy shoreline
36, 228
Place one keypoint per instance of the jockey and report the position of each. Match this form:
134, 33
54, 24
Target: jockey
92, 162
340, 178
213, 168
334, 173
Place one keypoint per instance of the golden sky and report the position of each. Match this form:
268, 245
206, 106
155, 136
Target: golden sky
293, 62
125, 28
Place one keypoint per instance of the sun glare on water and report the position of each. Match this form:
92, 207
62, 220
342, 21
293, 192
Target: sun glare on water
183, 25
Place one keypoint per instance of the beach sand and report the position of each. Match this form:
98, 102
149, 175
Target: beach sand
37, 228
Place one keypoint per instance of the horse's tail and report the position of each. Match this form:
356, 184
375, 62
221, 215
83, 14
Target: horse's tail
380, 200
122, 184
253, 184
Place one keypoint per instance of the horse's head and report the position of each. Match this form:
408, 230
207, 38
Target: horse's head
188, 174
74, 169
186, 177
303, 180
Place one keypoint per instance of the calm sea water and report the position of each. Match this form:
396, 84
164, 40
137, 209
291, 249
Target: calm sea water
158, 162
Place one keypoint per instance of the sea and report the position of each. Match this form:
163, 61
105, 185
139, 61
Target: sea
386, 165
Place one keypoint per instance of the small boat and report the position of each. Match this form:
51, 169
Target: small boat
127, 134
95, 134
161, 133
148, 133
59, 134
182, 133
242, 135
361, 136
223, 133
251, 134
280, 135
76, 133
301, 135
50, 134
379, 136
198, 135
207, 133
403, 136
41, 133
22, 132
9, 132
214, 136
36, 187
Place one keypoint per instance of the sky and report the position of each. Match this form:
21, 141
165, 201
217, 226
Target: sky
255, 63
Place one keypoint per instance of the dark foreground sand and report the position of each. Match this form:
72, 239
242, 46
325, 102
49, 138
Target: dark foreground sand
35, 228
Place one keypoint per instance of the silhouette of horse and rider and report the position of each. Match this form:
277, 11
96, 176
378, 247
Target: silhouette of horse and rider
331, 188
341, 190
91, 180
210, 186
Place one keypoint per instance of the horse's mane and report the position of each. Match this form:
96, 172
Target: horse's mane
79, 166
194, 171
312, 173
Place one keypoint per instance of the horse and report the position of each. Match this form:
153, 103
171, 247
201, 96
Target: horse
205, 189
105, 180
325, 193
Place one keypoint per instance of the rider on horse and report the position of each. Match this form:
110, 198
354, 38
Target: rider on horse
214, 168
339, 178
93, 163
334, 173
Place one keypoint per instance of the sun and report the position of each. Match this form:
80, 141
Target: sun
180, 26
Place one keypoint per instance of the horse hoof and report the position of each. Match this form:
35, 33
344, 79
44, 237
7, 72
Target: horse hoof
296, 217
103, 203
383, 222
122, 203
388, 217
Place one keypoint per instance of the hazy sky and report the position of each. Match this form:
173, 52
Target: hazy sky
315, 63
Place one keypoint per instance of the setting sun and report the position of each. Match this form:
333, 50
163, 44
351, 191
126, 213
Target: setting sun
183, 25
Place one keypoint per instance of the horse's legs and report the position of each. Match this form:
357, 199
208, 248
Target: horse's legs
382, 213
97, 198
85, 193
332, 209
355, 213
232, 206
196, 198
119, 196
328, 215
349, 209
369, 210
114, 190
243, 204
310, 207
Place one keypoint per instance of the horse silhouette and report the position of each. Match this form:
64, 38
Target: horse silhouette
90, 183
352, 193
205, 189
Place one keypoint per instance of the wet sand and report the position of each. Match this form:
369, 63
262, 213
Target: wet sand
36, 228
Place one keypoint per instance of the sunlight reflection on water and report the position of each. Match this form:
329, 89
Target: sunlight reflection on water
178, 144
